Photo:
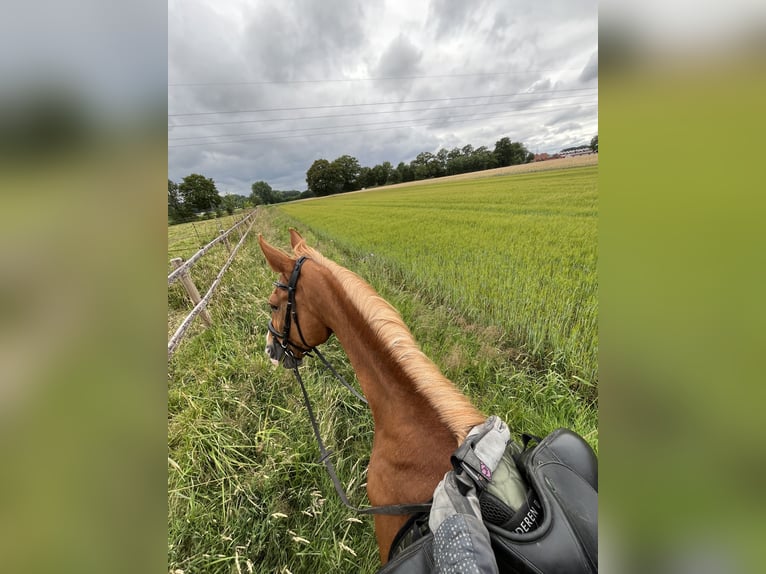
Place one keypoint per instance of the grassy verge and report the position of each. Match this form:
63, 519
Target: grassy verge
245, 492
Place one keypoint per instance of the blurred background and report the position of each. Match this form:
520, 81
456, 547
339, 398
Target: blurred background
681, 275
82, 292
82, 257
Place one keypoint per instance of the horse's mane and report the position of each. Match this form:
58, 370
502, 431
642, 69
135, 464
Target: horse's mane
452, 407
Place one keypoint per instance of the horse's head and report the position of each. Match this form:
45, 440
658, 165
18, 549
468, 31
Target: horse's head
295, 327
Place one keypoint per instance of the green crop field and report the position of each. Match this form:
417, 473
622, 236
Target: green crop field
496, 279
516, 252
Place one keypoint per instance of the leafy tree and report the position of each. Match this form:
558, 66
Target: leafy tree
504, 151
394, 176
262, 194
455, 166
229, 203
241, 201
508, 152
419, 166
176, 211
441, 158
480, 159
404, 172
289, 195
380, 173
455, 161
348, 168
388, 170
323, 178
365, 178
199, 193
594, 143
426, 165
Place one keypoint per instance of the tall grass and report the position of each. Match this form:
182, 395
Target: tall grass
518, 252
184, 239
245, 490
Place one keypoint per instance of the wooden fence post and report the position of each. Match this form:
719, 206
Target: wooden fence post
226, 241
191, 290
243, 227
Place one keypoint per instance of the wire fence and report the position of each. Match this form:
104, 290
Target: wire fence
182, 272
194, 258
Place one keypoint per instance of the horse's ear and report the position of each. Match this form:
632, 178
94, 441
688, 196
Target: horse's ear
295, 238
278, 260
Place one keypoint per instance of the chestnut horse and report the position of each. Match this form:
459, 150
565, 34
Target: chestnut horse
420, 417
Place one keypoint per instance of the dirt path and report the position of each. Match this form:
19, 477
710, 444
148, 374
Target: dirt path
550, 164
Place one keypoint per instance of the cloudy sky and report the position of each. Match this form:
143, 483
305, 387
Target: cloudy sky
258, 90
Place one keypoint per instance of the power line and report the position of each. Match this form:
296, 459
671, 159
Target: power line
369, 79
377, 112
335, 127
380, 103
425, 122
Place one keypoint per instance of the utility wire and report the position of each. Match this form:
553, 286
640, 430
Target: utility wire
369, 79
380, 103
550, 108
356, 131
332, 116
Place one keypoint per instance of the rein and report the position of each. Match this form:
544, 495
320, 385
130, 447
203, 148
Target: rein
284, 342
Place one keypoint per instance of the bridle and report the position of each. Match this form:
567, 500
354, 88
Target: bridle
291, 314
283, 338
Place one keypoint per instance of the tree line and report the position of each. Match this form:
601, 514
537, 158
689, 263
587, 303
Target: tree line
346, 174
197, 197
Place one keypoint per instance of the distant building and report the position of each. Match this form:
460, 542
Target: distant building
546, 156
575, 151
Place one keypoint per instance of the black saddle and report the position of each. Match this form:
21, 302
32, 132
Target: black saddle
554, 531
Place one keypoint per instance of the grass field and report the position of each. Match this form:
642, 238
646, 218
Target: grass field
516, 252
245, 491
185, 239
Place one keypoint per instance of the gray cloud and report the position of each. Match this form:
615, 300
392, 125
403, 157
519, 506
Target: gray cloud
590, 71
400, 58
454, 16
279, 45
293, 55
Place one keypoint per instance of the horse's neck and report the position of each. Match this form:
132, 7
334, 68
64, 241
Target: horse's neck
406, 392
416, 429
412, 445
391, 393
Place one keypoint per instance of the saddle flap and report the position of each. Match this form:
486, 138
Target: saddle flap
563, 472
568, 448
